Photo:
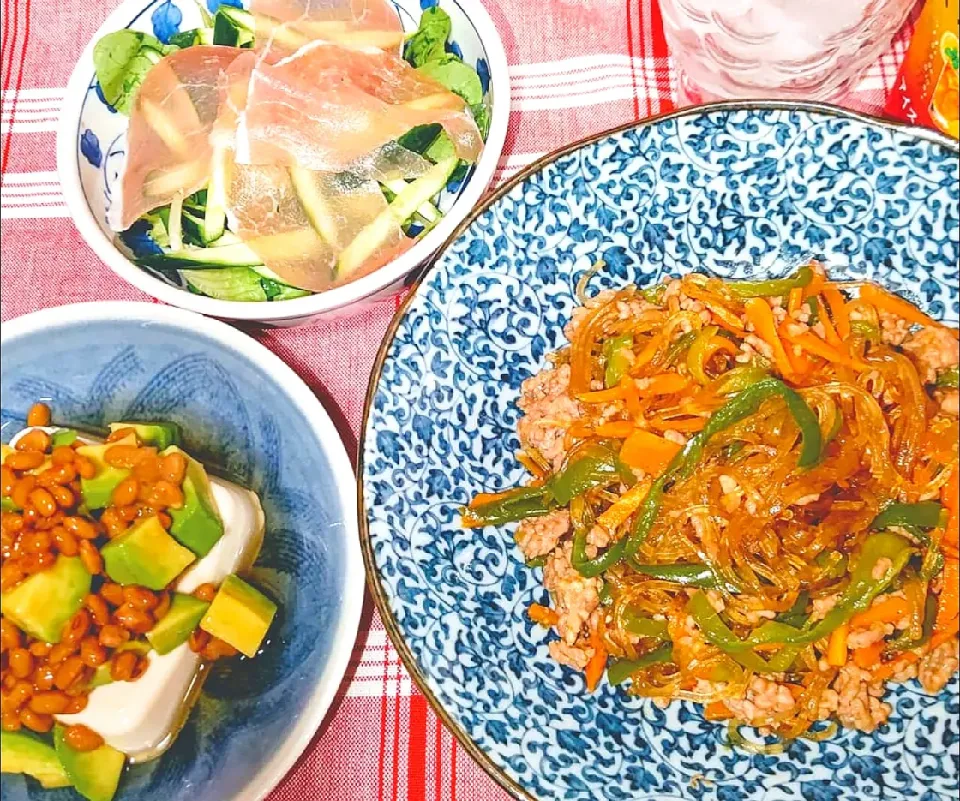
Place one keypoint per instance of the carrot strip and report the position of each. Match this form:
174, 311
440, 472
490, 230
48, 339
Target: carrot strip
816, 284
631, 397
648, 452
602, 395
866, 658
838, 308
682, 424
482, 498
597, 664
663, 384
723, 316
889, 610
794, 299
888, 302
813, 344
837, 647
760, 314
949, 600
829, 332
950, 496
626, 505
886, 670
646, 354
542, 615
617, 429
717, 711
532, 465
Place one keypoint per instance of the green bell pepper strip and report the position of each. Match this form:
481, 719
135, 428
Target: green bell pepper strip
537, 561
796, 614
733, 411
765, 289
917, 518
697, 354
644, 626
616, 362
858, 596
519, 504
695, 575
925, 514
623, 669
949, 378
588, 568
677, 347
865, 330
653, 294
738, 379
595, 465
814, 312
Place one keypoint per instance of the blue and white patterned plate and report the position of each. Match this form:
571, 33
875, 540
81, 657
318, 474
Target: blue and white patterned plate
236, 401
736, 191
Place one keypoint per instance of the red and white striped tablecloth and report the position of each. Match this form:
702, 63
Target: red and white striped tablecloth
576, 67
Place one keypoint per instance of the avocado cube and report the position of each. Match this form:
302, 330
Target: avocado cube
175, 627
43, 604
95, 774
146, 555
98, 490
239, 615
63, 436
197, 525
160, 435
22, 752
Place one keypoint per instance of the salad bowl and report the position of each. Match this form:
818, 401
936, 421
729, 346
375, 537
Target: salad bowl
243, 410
91, 148
733, 190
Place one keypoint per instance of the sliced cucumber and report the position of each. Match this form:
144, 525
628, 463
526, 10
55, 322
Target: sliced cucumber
276, 288
314, 204
427, 210
231, 283
403, 206
161, 183
233, 27
215, 216
237, 255
175, 225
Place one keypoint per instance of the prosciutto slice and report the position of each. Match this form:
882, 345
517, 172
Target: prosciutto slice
300, 242
284, 26
169, 147
327, 107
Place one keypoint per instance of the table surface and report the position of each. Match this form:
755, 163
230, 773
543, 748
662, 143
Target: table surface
577, 67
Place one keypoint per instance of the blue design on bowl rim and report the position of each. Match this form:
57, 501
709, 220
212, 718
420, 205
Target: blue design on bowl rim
453, 605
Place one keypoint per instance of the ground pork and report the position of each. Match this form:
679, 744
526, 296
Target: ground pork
933, 349
893, 329
858, 700
570, 655
538, 536
949, 402
865, 637
938, 666
823, 605
574, 596
548, 410
762, 700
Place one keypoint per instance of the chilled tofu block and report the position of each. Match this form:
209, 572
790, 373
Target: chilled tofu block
142, 718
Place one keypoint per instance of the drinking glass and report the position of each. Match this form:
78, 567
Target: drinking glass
785, 49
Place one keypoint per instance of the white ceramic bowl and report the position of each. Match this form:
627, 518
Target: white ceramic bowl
91, 145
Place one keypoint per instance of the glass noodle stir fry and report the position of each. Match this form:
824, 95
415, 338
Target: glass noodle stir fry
95, 540
745, 494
